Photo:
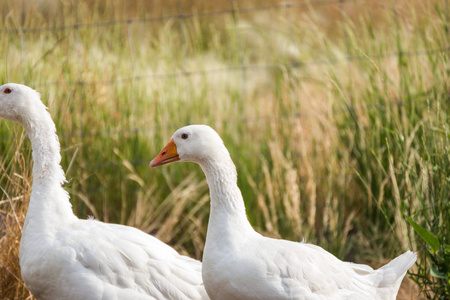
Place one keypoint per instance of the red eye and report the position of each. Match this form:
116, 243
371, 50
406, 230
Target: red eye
7, 91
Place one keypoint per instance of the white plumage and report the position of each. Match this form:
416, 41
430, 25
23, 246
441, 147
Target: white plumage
63, 257
239, 263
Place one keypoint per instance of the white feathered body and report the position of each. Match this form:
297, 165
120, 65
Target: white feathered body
88, 259
256, 267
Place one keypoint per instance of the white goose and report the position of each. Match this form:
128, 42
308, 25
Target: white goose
239, 263
63, 257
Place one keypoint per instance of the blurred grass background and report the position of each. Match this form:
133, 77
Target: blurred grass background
335, 113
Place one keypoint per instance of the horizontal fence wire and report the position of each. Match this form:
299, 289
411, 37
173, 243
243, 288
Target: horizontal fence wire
245, 10
249, 67
190, 73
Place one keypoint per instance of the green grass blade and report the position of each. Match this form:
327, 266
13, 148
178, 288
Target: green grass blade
426, 235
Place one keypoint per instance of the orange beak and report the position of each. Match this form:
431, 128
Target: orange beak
168, 154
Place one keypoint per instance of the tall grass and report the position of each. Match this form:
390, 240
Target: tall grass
15, 181
337, 154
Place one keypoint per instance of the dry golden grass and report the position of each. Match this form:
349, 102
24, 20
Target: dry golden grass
310, 142
11, 283
13, 206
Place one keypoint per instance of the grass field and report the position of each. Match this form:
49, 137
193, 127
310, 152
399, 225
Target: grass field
336, 115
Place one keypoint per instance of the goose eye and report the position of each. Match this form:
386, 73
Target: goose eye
184, 136
7, 91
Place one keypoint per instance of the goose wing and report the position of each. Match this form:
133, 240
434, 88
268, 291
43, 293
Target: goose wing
120, 262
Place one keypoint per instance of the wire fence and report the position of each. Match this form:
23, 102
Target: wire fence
242, 67
232, 12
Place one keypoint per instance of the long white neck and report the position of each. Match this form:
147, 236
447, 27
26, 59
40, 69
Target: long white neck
49, 203
227, 221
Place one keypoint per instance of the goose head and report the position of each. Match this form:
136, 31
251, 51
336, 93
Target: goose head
194, 143
19, 102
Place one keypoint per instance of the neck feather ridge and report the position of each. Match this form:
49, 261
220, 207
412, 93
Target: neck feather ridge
227, 203
49, 201
46, 150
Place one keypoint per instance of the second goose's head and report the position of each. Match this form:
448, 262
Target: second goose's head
195, 143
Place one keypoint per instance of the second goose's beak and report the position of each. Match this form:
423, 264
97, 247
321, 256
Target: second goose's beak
168, 154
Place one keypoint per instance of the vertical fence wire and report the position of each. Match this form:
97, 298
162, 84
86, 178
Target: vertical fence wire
399, 48
242, 67
130, 38
79, 58
287, 9
347, 51
78, 40
446, 20
290, 23
182, 36
182, 24
22, 45
133, 60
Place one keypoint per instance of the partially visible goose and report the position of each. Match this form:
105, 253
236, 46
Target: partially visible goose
63, 257
239, 263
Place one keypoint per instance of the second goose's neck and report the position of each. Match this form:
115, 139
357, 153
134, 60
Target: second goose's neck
227, 204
